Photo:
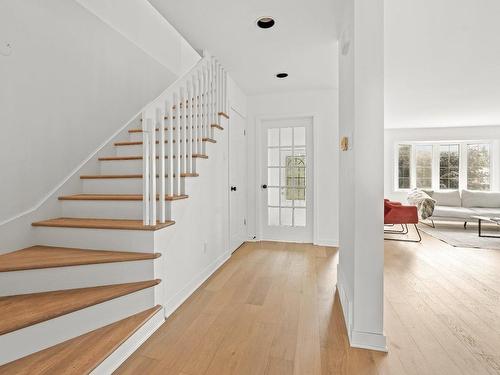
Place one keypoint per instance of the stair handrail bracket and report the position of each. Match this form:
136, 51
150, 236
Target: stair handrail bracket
174, 126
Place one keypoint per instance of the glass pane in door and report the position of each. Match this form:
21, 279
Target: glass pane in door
287, 160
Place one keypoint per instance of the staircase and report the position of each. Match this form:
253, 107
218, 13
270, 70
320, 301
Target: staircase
89, 292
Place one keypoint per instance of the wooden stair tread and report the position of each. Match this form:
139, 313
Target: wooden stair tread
116, 197
24, 310
111, 176
37, 257
139, 130
223, 115
82, 354
90, 223
116, 158
138, 143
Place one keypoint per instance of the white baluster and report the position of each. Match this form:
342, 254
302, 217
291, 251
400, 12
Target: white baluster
160, 123
170, 142
189, 133
195, 115
210, 95
182, 115
177, 141
218, 107
200, 111
214, 96
226, 109
152, 172
145, 171
204, 118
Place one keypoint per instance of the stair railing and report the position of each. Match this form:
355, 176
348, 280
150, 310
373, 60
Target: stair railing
174, 127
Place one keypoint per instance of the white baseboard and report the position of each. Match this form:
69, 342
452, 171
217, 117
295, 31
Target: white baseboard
178, 299
332, 242
344, 301
368, 340
124, 351
357, 339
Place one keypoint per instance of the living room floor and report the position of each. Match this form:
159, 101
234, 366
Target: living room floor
273, 309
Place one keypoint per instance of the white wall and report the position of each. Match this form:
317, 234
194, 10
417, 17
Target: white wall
141, 23
476, 133
322, 104
69, 83
198, 243
361, 116
442, 63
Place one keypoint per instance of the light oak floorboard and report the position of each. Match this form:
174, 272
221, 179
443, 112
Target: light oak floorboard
273, 309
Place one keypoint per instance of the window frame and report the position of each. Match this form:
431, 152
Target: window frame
463, 156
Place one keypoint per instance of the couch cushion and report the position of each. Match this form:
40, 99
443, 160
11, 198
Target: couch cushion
453, 212
488, 212
486, 199
447, 198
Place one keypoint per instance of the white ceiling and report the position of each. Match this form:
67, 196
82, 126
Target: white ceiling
442, 63
302, 43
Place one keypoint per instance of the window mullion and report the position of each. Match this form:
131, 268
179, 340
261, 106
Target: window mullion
462, 181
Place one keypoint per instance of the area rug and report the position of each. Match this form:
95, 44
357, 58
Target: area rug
454, 234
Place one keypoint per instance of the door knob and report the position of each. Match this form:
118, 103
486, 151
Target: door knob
264, 186
233, 188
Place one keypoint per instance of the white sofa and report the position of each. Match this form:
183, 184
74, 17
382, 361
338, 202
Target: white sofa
453, 205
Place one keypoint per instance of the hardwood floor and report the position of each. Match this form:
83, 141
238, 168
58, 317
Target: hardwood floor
273, 309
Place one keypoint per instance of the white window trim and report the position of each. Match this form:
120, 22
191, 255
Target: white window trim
462, 182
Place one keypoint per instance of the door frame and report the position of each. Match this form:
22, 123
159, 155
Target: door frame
245, 203
259, 169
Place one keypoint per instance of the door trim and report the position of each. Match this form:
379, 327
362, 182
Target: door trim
258, 170
244, 117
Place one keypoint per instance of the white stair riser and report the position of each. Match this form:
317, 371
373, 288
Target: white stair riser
137, 137
121, 166
48, 279
117, 185
128, 166
37, 337
108, 209
98, 239
134, 150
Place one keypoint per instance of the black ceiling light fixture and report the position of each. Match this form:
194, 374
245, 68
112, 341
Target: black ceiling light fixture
265, 22
282, 75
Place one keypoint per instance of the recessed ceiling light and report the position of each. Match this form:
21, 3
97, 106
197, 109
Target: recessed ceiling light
281, 75
265, 22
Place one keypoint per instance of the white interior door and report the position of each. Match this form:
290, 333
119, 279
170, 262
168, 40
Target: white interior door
237, 180
287, 179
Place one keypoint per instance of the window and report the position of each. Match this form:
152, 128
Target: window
478, 166
296, 178
445, 165
423, 166
404, 159
449, 166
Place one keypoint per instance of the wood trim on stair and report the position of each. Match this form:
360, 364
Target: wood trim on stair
121, 158
90, 223
82, 354
38, 257
25, 310
139, 130
116, 197
223, 115
138, 143
116, 176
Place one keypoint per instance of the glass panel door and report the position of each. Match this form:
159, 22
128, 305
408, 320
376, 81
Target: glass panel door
286, 174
